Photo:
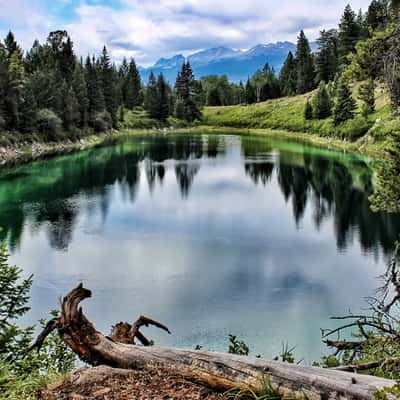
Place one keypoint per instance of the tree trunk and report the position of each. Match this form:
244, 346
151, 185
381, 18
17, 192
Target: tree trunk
217, 370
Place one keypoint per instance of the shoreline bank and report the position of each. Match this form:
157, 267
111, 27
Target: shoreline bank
30, 152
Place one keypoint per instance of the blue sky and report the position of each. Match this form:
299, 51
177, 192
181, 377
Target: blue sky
150, 29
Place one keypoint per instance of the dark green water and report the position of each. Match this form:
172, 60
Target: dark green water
211, 235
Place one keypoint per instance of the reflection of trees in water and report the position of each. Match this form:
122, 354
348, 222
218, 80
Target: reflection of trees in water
334, 190
185, 174
53, 193
45, 194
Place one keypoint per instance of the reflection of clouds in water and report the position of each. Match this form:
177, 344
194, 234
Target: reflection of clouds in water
209, 246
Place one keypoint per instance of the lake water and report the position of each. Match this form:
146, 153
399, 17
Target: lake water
211, 235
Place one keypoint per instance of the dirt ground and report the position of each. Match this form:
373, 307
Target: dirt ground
103, 383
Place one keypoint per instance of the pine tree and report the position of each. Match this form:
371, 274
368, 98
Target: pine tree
308, 110
367, 96
305, 65
94, 90
288, 76
28, 109
152, 102
345, 105
71, 114
250, 93
377, 15
163, 98
322, 105
326, 61
349, 33
107, 73
80, 91
187, 95
133, 87
14, 87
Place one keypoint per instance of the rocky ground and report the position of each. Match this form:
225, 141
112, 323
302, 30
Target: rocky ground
103, 383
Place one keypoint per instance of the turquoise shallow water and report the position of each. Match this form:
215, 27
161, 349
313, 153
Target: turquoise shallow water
211, 235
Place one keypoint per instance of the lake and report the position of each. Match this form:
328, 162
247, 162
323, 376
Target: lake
210, 234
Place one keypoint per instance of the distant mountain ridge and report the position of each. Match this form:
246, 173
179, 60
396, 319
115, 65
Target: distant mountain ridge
236, 64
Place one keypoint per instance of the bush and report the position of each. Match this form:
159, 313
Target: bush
102, 122
48, 123
354, 128
2, 123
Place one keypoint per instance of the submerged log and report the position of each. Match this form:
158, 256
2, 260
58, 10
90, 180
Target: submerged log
219, 371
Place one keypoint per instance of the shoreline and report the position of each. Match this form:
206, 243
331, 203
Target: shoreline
25, 153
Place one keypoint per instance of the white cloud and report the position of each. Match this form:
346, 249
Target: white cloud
151, 29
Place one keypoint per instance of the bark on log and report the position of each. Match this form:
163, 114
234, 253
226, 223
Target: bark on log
217, 370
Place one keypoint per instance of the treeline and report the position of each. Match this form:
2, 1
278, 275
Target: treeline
49, 90
364, 47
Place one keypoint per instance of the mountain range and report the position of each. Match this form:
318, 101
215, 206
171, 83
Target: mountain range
238, 65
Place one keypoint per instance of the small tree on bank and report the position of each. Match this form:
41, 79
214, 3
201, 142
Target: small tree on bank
322, 105
345, 105
308, 111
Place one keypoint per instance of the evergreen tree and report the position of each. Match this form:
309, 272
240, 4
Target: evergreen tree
163, 98
107, 73
71, 114
377, 15
326, 62
322, 106
349, 33
28, 109
79, 87
250, 93
367, 96
94, 90
288, 76
305, 65
152, 102
308, 111
345, 105
187, 94
133, 87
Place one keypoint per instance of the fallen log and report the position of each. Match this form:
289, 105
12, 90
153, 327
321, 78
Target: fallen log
219, 371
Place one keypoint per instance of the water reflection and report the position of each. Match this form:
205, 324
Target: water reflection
47, 192
211, 234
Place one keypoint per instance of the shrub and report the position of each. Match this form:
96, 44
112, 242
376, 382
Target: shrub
21, 371
308, 111
102, 122
354, 128
322, 105
48, 123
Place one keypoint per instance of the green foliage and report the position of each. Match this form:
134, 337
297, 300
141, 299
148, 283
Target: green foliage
21, 371
48, 123
386, 195
345, 105
237, 346
327, 58
188, 95
322, 105
367, 96
288, 76
102, 122
305, 65
349, 34
308, 111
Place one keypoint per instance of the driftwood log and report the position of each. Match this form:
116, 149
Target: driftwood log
217, 370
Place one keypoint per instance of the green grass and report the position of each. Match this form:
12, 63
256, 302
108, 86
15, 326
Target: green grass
288, 114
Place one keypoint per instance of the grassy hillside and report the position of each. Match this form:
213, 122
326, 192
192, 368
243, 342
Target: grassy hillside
288, 114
